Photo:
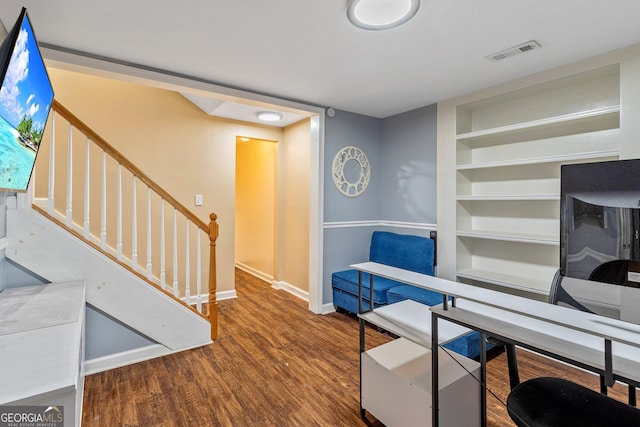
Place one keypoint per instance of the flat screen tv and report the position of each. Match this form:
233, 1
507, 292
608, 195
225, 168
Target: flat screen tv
600, 222
26, 95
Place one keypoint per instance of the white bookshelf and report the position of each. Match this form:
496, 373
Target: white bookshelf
509, 152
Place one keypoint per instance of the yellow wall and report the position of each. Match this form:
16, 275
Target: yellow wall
256, 178
294, 190
169, 139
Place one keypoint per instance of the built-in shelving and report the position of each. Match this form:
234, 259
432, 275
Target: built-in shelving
509, 153
575, 119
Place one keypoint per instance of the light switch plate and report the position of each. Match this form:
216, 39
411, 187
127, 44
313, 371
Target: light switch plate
198, 199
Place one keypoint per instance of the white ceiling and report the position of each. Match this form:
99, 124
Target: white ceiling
306, 50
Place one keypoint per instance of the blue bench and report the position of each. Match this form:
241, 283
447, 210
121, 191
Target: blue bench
408, 252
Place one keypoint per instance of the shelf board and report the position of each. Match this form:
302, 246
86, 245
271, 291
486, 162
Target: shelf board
533, 197
538, 160
531, 285
510, 237
548, 122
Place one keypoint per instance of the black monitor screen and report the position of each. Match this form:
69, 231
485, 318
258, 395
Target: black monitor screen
599, 221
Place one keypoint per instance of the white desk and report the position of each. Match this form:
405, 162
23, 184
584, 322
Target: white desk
603, 345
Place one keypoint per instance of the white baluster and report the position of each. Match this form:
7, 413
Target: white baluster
103, 203
149, 266
163, 274
187, 268
198, 272
119, 215
52, 165
175, 253
69, 203
134, 229
87, 173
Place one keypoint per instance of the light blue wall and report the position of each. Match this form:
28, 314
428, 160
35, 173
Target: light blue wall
402, 152
408, 169
365, 133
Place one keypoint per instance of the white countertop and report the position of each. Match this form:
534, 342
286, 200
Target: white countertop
40, 339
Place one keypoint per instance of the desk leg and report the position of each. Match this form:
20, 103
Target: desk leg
362, 345
434, 370
483, 379
608, 364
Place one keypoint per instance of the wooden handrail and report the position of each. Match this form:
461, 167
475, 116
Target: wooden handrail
121, 159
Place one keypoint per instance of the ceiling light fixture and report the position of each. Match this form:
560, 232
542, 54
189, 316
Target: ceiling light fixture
381, 14
269, 116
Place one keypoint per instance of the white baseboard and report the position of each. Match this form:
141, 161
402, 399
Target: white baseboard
112, 361
327, 308
226, 295
193, 299
284, 286
254, 272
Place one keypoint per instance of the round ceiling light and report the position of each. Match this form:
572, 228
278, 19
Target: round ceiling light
269, 116
381, 14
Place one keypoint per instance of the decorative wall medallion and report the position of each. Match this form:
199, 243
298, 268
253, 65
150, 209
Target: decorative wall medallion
351, 171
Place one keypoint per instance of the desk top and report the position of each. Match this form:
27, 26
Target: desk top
590, 324
412, 320
581, 347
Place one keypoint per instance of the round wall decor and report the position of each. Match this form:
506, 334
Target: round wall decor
351, 171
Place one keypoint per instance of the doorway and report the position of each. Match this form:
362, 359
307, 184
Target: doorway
256, 206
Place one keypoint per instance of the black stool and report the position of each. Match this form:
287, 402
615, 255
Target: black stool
556, 402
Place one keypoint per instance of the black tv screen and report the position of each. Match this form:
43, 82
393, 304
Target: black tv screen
26, 95
600, 222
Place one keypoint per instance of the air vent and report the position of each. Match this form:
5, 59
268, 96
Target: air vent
515, 50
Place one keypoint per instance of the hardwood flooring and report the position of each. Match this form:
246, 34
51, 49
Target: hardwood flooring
274, 363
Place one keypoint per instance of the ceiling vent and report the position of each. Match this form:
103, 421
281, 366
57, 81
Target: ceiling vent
515, 50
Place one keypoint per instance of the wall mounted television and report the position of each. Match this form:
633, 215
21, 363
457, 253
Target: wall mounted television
26, 95
600, 222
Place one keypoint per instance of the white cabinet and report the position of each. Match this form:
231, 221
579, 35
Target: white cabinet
395, 380
509, 149
42, 347
396, 386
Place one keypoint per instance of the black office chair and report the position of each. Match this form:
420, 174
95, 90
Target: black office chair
558, 402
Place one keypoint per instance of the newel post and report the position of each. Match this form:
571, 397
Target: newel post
213, 303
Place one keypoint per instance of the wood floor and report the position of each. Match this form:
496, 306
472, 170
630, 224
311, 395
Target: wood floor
274, 363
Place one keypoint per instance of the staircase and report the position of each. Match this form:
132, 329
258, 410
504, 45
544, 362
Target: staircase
141, 253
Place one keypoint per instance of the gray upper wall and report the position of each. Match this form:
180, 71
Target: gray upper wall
402, 152
365, 133
408, 166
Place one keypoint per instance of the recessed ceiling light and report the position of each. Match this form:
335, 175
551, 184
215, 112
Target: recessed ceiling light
381, 14
269, 116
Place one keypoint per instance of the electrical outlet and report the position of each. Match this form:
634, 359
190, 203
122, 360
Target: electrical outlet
198, 199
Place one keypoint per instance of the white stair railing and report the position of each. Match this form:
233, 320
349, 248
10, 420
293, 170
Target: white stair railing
105, 228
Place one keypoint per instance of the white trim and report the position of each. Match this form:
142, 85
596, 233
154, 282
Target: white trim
129, 357
204, 297
222, 295
293, 290
117, 360
254, 272
328, 308
380, 223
